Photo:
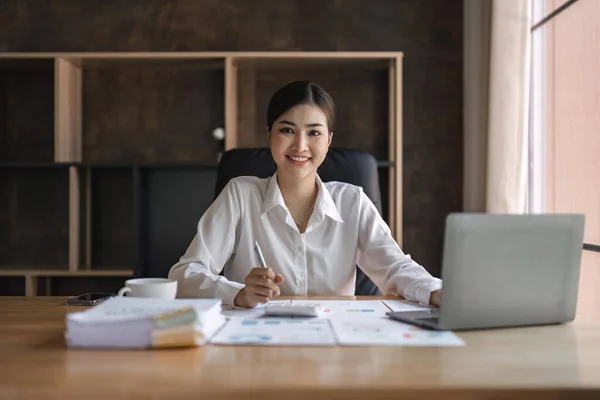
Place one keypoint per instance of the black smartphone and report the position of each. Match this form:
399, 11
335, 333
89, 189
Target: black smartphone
88, 299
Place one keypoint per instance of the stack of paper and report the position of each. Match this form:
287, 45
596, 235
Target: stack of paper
129, 322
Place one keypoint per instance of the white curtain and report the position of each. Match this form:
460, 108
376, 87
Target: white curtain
496, 112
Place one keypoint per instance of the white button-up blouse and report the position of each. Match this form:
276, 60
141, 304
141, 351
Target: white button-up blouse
344, 230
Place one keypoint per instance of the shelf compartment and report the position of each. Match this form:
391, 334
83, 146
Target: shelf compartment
34, 223
152, 110
12, 286
106, 216
26, 110
27, 271
76, 285
23, 281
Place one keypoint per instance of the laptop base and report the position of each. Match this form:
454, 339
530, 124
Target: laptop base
422, 319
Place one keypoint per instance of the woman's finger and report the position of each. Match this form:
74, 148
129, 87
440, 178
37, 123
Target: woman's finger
262, 291
266, 272
261, 281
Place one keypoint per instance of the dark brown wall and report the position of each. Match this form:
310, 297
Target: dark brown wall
429, 32
151, 113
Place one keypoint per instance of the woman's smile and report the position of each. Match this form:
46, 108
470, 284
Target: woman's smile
299, 161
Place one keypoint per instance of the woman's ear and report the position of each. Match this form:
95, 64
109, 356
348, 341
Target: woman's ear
330, 138
268, 135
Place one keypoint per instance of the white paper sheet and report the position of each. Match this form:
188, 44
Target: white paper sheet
403, 305
350, 308
387, 332
120, 309
276, 331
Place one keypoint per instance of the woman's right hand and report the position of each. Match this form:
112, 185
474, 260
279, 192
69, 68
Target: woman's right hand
262, 284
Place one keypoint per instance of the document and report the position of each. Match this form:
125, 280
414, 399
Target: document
387, 332
346, 323
403, 305
350, 308
276, 331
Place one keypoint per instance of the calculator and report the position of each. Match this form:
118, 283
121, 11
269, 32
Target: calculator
294, 309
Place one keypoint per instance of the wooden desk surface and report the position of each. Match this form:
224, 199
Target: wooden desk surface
559, 361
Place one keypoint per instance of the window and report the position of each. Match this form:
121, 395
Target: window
565, 124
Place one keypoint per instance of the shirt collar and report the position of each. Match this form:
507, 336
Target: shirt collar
273, 196
324, 204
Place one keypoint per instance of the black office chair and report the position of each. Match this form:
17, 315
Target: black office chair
343, 165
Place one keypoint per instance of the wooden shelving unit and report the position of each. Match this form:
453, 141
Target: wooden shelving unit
104, 156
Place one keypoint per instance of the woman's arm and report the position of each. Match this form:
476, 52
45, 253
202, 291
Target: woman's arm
197, 272
380, 257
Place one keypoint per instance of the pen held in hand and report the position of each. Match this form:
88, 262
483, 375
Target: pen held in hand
260, 257
259, 254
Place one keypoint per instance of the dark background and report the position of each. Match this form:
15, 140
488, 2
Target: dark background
428, 32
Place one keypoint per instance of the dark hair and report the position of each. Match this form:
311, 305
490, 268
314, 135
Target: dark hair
300, 92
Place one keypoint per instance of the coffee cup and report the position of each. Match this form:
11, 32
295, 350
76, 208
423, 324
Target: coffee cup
162, 288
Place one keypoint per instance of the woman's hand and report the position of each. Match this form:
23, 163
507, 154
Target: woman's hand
262, 284
435, 298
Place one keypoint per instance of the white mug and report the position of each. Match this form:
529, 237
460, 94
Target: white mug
150, 287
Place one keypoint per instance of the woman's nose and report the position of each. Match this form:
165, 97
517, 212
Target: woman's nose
300, 142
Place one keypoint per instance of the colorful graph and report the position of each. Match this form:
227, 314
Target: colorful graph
249, 338
276, 331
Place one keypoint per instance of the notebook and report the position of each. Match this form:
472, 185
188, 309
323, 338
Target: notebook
130, 322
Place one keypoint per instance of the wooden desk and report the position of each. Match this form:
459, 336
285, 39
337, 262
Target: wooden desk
560, 361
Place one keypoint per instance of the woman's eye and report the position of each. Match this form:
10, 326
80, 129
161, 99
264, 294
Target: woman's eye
286, 130
314, 133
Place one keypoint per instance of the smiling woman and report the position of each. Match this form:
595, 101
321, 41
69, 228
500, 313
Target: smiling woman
312, 233
300, 122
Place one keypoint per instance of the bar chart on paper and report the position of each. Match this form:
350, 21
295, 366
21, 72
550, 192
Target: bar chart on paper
276, 331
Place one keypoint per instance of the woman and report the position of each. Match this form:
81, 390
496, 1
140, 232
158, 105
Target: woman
312, 234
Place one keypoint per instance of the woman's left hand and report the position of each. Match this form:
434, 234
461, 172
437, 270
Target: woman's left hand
435, 298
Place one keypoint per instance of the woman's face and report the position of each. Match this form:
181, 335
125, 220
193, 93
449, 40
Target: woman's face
299, 140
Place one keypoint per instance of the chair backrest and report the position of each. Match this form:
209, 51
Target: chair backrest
344, 165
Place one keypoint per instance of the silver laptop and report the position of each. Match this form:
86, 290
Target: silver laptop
502, 270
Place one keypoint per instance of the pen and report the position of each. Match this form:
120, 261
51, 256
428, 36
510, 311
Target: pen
259, 254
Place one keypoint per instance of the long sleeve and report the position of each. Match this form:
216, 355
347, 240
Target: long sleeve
197, 271
380, 257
